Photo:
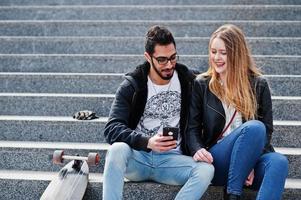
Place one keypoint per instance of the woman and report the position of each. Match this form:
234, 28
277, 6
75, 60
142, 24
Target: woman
231, 120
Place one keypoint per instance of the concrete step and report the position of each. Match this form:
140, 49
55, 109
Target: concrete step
287, 134
191, 28
279, 85
146, 2
152, 12
63, 129
107, 83
34, 104
134, 45
31, 184
61, 82
122, 63
36, 156
67, 129
54, 104
286, 108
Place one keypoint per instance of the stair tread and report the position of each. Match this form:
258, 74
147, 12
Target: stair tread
129, 55
104, 119
53, 145
153, 6
52, 74
39, 21
28, 94
54, 118
93, 177
97, 146
143, 2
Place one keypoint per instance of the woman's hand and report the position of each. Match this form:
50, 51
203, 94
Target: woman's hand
250, 178
203, 155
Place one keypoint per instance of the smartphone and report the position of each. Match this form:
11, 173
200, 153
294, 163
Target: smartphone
171, 131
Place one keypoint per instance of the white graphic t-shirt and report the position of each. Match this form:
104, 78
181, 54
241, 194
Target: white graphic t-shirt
162, 108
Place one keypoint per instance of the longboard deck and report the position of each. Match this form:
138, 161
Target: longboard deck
68, 184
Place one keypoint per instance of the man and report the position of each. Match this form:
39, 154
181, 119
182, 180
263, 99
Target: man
155, 95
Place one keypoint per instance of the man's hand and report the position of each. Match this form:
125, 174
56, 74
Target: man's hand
250, 178
203, 155
161, 143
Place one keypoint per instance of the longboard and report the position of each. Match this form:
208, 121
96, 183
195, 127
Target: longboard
72, 180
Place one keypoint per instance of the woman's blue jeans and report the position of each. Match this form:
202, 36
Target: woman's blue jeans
240, 152
168, 168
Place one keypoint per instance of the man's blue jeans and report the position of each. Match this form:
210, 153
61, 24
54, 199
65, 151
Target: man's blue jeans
168, 168
240, 152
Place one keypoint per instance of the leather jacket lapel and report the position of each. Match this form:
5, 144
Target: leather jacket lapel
213, 103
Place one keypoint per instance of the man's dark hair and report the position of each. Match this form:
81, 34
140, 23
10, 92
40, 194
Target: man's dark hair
157, 35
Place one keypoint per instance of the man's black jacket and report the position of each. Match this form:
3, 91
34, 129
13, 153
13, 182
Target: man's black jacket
129, 104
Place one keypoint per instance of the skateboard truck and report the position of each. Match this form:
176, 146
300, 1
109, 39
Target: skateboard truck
92, 159
72, 180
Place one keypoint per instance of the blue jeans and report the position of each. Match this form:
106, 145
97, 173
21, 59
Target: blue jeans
168, 168
240, 152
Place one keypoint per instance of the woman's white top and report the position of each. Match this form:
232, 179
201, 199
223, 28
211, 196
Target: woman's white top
237, 121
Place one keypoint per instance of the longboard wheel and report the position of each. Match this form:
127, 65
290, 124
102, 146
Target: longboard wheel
57, 157
93, 159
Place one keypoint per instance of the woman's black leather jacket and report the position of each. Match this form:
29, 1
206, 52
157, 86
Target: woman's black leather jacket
207, 116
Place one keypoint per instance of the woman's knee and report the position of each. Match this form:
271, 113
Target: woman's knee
257, 130
278, 160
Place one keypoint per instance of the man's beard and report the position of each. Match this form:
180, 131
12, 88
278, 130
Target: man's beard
159, 73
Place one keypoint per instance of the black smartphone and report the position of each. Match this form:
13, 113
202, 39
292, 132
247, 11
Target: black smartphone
171, 131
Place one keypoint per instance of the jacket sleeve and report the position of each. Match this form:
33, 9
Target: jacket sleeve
265, 113
117, 128
194, 131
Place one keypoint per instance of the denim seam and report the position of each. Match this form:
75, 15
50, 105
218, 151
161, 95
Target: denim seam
229, 189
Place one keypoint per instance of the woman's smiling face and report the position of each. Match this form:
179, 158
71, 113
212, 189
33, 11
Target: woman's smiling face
218, 56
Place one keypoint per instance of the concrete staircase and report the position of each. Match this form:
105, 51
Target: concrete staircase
59, 57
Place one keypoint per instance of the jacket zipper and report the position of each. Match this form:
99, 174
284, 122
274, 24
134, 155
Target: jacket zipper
216, 111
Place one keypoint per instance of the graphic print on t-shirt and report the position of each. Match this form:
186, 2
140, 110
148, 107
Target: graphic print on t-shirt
161, 110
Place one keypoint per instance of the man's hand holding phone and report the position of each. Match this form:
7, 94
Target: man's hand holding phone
164, 142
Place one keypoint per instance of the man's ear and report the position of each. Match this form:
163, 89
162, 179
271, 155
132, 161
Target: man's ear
147, 57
